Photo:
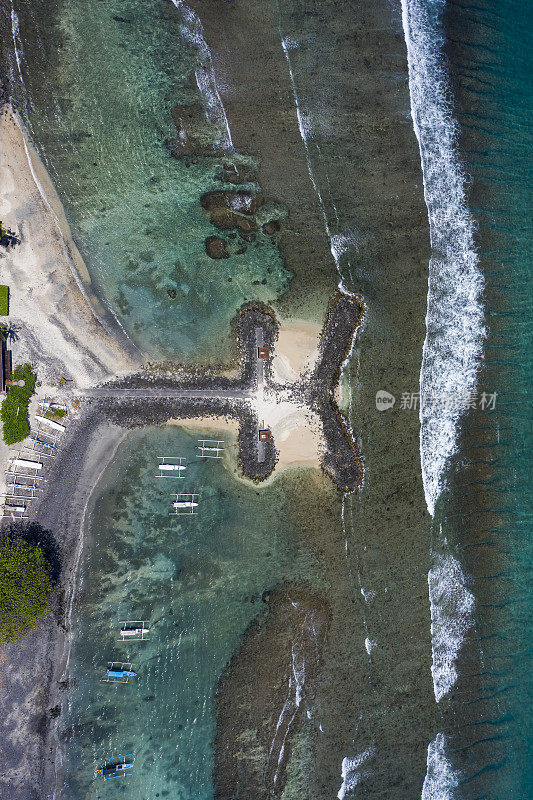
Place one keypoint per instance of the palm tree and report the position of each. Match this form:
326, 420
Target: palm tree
8, 333
7, 237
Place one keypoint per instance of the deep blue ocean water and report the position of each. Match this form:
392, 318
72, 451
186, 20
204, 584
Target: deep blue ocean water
483, 518
489, 46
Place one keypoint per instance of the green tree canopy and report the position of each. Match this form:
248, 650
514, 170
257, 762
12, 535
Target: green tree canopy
25, 587
14, 409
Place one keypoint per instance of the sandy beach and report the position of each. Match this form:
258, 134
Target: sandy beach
59, 321
297, 430
56, 322
63, 330
34, 674
84, 343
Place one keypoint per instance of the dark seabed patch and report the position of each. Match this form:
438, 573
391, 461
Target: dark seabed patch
275, 668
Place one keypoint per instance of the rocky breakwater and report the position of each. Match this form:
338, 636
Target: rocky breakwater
341, 459
176, 392
158, 396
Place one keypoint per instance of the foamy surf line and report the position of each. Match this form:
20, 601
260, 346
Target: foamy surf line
452, 616
340, 242
15, 38
352, 771
454, 321
441, 780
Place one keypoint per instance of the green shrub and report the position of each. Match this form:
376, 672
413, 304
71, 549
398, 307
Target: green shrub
25, 588
14, 410
55, 413
4, 300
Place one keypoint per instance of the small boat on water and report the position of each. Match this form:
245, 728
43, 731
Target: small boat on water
116, 767
134, 630
119, 672
170, 469
184, 504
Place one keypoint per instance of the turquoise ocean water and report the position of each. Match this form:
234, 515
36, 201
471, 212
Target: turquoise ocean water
199, 580
100, 120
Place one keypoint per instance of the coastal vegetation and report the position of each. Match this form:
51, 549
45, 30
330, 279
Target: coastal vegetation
26, 584
55, 413
7, 237
14, 410
4, 300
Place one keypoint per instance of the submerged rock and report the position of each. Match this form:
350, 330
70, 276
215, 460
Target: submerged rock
237, 173
216, 247
225, 219
272, 227
194, 134
246, 225
241, 201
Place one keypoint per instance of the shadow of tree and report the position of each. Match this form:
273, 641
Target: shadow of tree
8, 333
34, 534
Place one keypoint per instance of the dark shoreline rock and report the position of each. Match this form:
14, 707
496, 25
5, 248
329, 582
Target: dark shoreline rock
341, 461
235, 200
195, 135
133, 413
272, 227
225, 219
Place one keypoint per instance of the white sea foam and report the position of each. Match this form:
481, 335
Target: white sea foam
307, 636
368, 594
452, 615
370, 644
193, 32
289, 43
454, 321
342, 243
441, 779
352, 773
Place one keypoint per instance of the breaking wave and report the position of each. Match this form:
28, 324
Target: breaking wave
452, 616
352, 773
15, 35
441, 779
454, 321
